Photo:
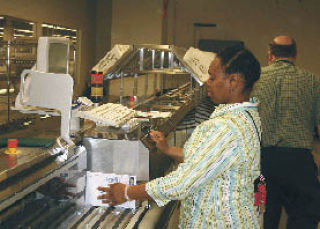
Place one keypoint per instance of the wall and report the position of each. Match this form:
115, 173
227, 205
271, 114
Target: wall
79, 14
252, 21
136, 22
103, 23
103, 28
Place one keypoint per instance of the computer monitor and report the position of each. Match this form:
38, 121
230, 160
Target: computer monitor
53, 55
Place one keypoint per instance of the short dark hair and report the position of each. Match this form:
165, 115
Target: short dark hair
237, 59
283, 50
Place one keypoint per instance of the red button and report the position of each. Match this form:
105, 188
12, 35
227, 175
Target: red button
12, 143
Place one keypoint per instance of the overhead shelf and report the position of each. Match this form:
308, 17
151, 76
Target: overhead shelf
145, 58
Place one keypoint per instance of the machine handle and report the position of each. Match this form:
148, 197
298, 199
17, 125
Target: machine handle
23, 75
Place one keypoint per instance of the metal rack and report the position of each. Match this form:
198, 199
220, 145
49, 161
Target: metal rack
162, 83
15, 56
162, 61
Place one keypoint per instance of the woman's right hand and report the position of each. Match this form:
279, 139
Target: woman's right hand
160, 140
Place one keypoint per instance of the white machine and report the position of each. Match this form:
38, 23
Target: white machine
49, 85
52, 91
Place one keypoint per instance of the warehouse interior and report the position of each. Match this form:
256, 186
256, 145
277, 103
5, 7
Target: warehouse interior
94, 27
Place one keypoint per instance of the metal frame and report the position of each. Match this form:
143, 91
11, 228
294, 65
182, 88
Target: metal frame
46, 177
148, 58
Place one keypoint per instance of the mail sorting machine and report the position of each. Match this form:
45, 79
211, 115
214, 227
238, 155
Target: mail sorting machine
164, 88
44, 186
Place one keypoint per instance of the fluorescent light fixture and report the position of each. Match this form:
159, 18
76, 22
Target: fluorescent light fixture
24, 30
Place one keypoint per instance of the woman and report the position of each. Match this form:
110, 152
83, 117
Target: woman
220, 161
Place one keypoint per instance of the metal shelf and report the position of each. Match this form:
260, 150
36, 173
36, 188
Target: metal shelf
4, 77
14, 57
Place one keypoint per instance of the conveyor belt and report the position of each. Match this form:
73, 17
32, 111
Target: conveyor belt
197, 115
17, 177
140, 217
83, 217
120, 219
39, 213
43, 177
103, 217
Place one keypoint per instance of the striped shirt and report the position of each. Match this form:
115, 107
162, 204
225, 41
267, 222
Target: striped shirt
215, 181
289, 105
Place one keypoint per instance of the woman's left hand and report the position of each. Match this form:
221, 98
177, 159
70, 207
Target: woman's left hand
114, 194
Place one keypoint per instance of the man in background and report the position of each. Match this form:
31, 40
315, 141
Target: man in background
290, 115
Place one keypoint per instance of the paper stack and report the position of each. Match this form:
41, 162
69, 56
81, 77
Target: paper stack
96, 179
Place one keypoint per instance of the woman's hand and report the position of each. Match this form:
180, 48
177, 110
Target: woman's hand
113, 195
161, 143
160, 140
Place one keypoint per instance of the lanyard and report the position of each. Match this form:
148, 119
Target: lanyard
257, 131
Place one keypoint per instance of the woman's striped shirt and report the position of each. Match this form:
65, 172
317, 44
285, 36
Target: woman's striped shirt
215, 181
